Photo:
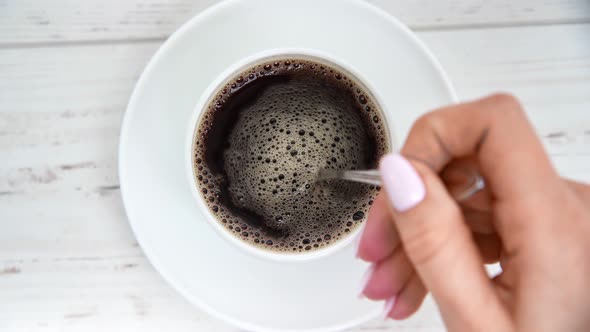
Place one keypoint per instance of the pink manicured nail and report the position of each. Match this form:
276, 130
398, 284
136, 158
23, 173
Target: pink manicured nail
365, 280
402, 183
388, 307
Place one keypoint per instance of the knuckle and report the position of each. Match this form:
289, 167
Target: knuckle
424, 138
506, 101
432, 140
505, 108
429, 236
427, 121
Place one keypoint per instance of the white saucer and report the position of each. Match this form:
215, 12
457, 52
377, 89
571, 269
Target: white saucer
252, 293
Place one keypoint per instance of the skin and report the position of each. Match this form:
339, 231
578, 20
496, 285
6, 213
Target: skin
536, 224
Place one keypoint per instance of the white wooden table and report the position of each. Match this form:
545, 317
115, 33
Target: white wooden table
68, 259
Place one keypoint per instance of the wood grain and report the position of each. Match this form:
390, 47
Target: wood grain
547, 68
28, 22
68, 260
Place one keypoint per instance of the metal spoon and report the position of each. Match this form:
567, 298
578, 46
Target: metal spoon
373, 177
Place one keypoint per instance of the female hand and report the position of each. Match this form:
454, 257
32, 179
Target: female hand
534, 223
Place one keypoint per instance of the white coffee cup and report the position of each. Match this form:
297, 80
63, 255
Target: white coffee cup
206, 99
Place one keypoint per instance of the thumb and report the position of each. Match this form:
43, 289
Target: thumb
439, 245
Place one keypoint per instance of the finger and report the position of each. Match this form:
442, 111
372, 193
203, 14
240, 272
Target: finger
379, 238
459, 176
504, 288
409, 299
438, 243
581, 190
497, 132
478, 221
489, 246
481, 200
479, 218
389, 276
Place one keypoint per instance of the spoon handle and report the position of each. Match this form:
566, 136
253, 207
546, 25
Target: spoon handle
366, 176
373, 177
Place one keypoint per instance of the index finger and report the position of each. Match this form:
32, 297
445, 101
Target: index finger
496, 131
379, 238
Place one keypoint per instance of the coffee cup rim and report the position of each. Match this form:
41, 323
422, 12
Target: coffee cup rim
206, 97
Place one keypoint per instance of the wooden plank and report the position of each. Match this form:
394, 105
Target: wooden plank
27, 22
100, 294
548, 68
425, 15
68, 260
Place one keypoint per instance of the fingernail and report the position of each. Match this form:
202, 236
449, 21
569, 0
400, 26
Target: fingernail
365, 280
404, 186
388, 307
357, 240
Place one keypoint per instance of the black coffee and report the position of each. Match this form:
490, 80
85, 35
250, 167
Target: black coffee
262, 140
